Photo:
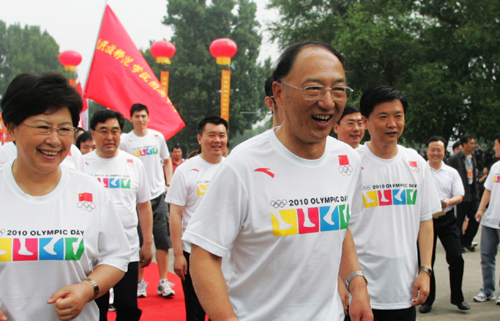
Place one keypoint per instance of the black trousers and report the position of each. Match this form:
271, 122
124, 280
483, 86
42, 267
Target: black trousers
468, 209
194, 311
409, 314
125, 300
445, 227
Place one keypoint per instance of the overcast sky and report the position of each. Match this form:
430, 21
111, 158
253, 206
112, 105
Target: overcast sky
74, 24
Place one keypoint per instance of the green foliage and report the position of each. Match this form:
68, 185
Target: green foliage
195, 78
443, 55
25, 50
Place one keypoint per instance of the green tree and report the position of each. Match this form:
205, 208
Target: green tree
25, 50
443, 55
195, 78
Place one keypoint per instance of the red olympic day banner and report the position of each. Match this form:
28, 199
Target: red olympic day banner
120, 77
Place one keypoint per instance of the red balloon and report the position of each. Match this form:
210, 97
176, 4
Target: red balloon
223, 47
70, 58
163, 49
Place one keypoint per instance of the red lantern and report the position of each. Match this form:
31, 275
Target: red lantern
223, 50
163, 51
70, 59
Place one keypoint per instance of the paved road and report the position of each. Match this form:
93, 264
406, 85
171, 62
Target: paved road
442, 309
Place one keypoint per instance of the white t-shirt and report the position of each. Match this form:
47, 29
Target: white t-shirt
125, 179
448, 183
491, 217
152, 150
74, 160
397, 194
189, 184
48, 242
283, 220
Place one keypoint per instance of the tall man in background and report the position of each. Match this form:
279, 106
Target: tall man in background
189, 185
465, 163
150, 146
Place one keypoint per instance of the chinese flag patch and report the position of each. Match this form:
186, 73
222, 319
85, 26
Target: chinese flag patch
129, 160
85, 197
413, 164
343, 160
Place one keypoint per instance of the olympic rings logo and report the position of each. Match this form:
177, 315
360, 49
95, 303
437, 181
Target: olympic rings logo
367, 187
278, 203
345, 170
415, 169
86, 206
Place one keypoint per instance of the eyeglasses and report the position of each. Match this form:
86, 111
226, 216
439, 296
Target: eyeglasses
352, 124
114, 132
316, 92
47, 130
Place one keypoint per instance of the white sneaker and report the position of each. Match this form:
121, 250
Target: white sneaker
481, 297
498, 301
165, 288
141, 289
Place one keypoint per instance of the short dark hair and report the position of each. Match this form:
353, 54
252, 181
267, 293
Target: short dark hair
29, 95
176, 146
437, 139
102, 115
216, 120
497, 137
286, 60
268, 86
456, 144
378, 95
85, 136
465, 139
349, 109
138, 107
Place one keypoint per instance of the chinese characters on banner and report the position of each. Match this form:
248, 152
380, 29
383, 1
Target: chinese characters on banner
120, 77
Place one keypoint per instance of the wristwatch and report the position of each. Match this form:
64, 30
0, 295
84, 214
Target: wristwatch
426, 270
94, 285
352, 276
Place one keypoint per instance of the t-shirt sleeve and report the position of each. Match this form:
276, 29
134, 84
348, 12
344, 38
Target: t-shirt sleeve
457, 187
430, 202
221, 214
489, 180
164, 153
144, 194
114, 248
177, 193
357, 201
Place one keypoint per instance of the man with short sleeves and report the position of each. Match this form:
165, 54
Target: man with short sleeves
465, 163
490, 228
280, 207
189, 185
150, 147
451, 192
399, 198
125, 179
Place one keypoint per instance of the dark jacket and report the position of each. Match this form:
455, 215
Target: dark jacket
457, 161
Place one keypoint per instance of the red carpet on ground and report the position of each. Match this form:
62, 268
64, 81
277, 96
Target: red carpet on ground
155, 307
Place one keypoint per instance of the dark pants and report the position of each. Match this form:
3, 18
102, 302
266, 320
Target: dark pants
409, 314
445, 227
194, 311
125, 297
468, 209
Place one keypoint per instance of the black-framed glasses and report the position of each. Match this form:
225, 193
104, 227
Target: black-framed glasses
316, 92
47, 130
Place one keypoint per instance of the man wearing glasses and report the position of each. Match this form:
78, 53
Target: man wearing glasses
280, 207
125, 179
349, 128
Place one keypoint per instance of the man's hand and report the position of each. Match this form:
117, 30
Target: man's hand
344, 295
146, 255
479, 215
360, 309
421, 288
180, 266
2, 316
70, 300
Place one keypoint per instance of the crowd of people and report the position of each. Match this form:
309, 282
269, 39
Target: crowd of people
293, 225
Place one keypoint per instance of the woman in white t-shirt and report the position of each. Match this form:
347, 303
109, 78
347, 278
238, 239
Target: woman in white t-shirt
58, 248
